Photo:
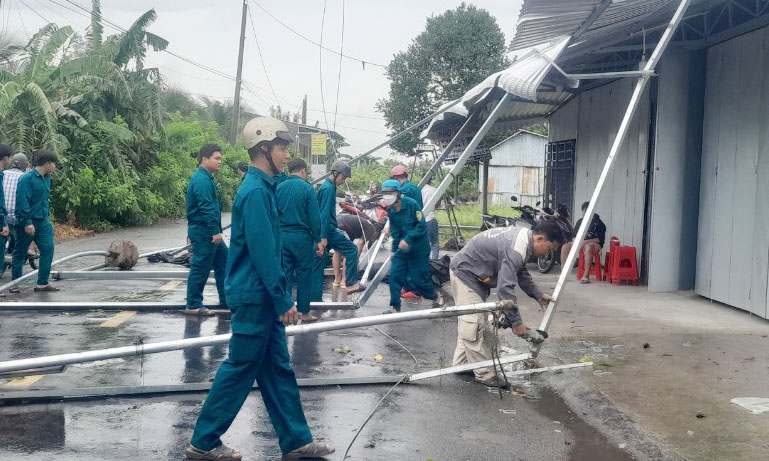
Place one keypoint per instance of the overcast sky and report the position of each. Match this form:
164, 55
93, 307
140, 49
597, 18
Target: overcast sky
207, 32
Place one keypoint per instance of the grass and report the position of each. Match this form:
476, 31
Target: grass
469, 214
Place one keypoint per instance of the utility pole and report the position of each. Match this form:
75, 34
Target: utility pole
238, 79
304, 110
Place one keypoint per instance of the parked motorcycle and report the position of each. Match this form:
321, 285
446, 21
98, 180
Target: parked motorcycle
527, 218
561, 217
32, 256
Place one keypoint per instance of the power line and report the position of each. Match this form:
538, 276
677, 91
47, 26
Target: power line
362, 61
18, 10
259, 50
339, 76
36, 12
320, 62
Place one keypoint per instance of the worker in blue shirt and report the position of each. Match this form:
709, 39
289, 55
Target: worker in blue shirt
32, 218
5, 162
408, 188
330, 235
204, 229
261, 306
300, 232
411, 248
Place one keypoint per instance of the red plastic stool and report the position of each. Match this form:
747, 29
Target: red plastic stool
624, 265
596, 270
613, 243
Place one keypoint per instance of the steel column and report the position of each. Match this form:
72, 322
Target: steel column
142, 306
31, 274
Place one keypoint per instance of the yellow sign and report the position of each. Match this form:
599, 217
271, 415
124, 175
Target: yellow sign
318, 144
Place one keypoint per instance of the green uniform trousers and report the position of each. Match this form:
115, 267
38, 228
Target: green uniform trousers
299, 260
338, 242
43, 238
411, 270
262, 357
206, 256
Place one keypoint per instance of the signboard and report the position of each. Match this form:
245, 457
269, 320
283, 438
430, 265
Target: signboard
318, 144
318, 170
444, 136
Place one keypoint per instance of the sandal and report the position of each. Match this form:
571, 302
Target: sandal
356, 290
222, 452
14, 290
584, 281
199, 311
47, 288
336, 284
309, 451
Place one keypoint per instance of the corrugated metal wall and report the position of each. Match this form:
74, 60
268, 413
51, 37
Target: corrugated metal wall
733, 239
594, 117
676, 186
517, 168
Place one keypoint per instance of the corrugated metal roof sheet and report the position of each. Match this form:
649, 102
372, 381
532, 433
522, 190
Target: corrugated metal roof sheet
543, 20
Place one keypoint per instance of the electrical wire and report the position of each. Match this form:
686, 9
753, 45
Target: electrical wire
290, 29
320, 65
259, 51
18, 10
339, 75
36, 12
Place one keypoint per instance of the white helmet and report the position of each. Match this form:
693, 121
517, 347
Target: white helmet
265, 129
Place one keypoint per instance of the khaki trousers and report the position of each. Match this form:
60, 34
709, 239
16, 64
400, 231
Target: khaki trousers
474, 333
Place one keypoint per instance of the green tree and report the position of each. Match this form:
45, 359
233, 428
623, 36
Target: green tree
456, 51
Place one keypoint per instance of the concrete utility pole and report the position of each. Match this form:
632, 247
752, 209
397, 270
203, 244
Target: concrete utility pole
236, 101
304, 110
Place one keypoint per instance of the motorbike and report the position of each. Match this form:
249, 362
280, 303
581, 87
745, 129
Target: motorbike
527, 218
561, 217
32, 257
368, 207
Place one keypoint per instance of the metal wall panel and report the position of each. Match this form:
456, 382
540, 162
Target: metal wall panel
734, 252
675, 193
563, 123
526, 183
621, 205
759, 273
523, 149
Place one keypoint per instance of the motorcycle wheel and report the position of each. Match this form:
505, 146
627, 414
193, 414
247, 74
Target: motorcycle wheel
545, 263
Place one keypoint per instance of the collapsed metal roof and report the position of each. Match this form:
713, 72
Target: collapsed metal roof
584, 36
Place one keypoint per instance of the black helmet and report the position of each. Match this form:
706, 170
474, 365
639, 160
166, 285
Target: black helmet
342, 167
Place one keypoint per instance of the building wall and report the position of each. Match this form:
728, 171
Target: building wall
593, 118
676, 186
733, 241
517, 168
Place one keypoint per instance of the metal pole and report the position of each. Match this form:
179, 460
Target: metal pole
485, 188
166, 346
119, 275
501, 361
31, 274
238, 78
398, 135
635, 99
372, 258
444, 185
442, 158
143, 306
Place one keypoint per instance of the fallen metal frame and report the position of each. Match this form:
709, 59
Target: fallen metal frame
31, 274
121, 275
189, 343
141, 306
619, 138
32, 395
446, 182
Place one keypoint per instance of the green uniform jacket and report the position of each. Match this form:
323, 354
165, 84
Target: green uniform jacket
298, 207
254, 271
327, 204
32, 197
412, 191
3, 211
204, 211
408, 224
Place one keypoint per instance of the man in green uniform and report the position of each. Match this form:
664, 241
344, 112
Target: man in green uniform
204, 228
5, 161
411, 249
300, 232
261, 306
408, 188
330, 235
32, 218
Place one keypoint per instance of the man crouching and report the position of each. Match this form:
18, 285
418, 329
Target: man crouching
496, 258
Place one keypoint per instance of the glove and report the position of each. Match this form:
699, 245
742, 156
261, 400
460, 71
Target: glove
536, 336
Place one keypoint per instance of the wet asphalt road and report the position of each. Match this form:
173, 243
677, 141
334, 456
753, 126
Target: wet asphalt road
449, 418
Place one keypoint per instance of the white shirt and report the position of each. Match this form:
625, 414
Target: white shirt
427, 192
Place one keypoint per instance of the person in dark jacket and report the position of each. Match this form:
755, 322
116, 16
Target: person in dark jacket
204, 229
593, 242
